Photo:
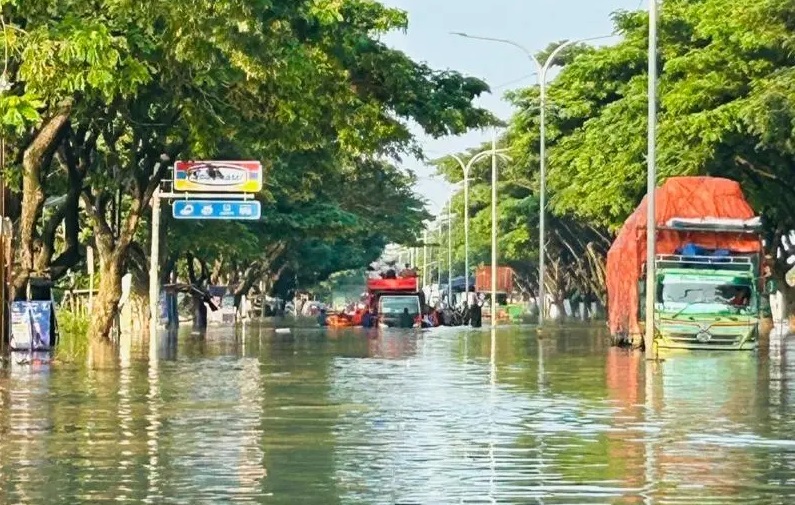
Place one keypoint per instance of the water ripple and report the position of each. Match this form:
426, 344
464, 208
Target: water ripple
450, 416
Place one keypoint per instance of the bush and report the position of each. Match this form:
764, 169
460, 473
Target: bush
73, 337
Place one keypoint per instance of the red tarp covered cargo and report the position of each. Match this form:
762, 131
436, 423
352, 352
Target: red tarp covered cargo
683, 197
504, 279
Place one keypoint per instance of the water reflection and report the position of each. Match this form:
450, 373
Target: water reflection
441, 416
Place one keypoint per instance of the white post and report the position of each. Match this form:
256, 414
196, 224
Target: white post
466, 234
542, 254
542, 246
493, 229
425, 257
651, 183
154, 257
467, 168
450, 251
90, 261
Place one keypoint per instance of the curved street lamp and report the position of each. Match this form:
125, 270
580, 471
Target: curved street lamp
542, 82
466, 167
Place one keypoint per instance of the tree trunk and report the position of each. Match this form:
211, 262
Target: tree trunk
199, 314
106, 302
36, 157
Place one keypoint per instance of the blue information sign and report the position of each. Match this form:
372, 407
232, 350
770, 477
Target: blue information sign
30, 326
217, 209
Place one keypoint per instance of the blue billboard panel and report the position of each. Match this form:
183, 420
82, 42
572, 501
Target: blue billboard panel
217, 209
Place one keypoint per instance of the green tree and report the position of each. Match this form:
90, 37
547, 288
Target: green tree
726, 109
108, 95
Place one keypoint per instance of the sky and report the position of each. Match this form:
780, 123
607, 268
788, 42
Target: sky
531, 23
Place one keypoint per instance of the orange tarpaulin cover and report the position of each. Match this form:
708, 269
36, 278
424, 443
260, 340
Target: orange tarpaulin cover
679, 197
504, 279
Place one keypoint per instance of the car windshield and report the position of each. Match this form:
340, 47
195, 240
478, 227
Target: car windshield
394, 305
734, 293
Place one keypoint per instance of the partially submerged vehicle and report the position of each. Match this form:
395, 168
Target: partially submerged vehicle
708, 255
391, 297
506, 311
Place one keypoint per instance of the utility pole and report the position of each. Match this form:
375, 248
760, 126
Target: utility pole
450, 251
425, 257
651, 185
493, 229
154, 275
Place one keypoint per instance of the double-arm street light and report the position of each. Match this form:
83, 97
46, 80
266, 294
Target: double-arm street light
466, 168
542, 82
450, 240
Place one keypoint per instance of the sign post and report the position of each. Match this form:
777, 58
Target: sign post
219, 190
90, 261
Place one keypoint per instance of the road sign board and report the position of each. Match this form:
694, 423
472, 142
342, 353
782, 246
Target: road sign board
218, 176
217, 209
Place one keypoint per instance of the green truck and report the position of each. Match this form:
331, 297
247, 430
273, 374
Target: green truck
705, 301
708, 298
708, 253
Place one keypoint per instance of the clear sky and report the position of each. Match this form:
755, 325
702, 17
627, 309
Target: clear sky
531, 23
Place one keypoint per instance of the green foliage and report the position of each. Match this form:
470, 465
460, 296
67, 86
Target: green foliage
725, 109
727, 97
73, 336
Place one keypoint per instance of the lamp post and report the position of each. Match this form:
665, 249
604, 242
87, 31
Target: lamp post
450, 250
450, 239
651, 183
542, 82
493, 229
466, 167
425, 257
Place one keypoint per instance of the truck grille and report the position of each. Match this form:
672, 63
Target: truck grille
716, 340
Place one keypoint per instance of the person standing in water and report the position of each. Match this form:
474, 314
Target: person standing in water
321, 318
406, 321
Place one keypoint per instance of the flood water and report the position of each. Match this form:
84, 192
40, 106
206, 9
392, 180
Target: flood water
437, 417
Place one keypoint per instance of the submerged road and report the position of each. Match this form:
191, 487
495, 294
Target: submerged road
441, 416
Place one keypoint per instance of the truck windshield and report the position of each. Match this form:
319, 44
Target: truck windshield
394, 305
736, 293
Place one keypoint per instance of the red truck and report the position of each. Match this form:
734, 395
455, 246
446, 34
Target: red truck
390, 297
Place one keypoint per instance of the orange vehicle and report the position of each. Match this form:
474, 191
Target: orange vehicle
339, 321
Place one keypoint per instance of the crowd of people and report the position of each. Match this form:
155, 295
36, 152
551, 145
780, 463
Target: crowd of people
390, 271
366, 316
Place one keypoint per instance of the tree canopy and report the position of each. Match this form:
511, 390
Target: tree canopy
726, 92
106, 95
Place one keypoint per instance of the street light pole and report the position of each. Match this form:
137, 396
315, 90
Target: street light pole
466, 168
493, 229
425, 257
450, 250
542, 82
651, 184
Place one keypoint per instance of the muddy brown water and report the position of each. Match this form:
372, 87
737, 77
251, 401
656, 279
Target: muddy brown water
434, 417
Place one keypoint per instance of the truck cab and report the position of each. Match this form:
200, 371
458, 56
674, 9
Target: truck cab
707, 298
391, 297
707, 302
